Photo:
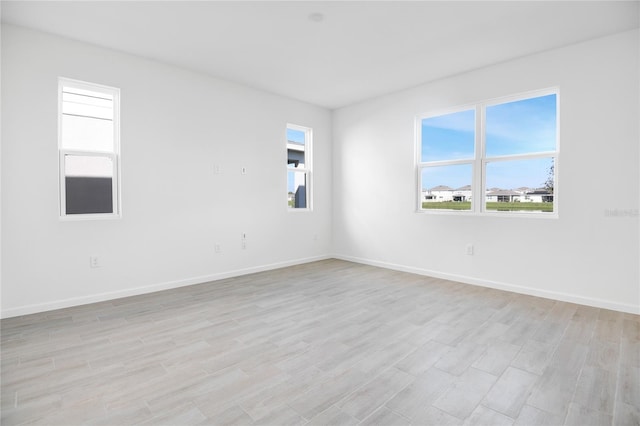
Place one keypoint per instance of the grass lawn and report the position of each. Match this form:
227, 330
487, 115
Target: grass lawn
502, 207
447, 205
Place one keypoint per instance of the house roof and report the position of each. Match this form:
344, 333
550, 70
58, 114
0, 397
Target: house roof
464, 188
503, 192
441, 188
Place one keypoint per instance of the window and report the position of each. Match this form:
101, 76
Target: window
298, 167
497, 156
88, 146
520, 154
447, 152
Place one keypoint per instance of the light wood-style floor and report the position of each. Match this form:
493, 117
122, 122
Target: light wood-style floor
324, 343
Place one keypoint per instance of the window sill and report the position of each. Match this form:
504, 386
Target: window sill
466, 213
84, 217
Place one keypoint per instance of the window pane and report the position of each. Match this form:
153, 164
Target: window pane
87, 134
447, 187
294, 135
85, 103
88, 184
448, 137
297, 189
296, 148
295, 156
521, 127
90, 166
520, 185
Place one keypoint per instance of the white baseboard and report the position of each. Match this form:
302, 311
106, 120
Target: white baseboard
101, 297
563, 297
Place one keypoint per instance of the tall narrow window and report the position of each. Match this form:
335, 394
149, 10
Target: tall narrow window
298, 167
89, 147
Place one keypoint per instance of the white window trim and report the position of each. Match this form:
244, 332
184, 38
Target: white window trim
307, 169
480, 160
422, 165
113, 155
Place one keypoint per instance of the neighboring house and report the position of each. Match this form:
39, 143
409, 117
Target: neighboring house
438, 193
295, 153
462, 194
539, 196
503, 196
296, 158
524, 194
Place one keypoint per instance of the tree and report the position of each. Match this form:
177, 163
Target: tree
548, 184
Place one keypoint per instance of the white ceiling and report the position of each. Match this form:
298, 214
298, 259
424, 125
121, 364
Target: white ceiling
360, 50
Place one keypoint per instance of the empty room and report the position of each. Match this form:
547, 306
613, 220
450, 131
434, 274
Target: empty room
320, 212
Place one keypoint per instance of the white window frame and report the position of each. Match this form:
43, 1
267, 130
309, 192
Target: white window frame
307, 169
426, 164
480, 159
114, 155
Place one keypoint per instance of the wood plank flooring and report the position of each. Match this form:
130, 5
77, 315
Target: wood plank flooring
325, 343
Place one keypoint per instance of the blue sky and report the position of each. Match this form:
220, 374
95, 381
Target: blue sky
455, 176
295, 135
519, 127
448, 137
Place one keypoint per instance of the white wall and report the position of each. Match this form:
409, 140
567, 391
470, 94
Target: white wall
585, 255
176, 125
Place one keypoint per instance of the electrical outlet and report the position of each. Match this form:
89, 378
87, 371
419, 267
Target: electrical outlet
469, 249
217, 248
217, 169
94, 262
244, 244
243, 170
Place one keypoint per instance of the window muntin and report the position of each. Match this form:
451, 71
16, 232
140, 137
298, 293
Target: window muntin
88, 150
514, 156
298, 167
